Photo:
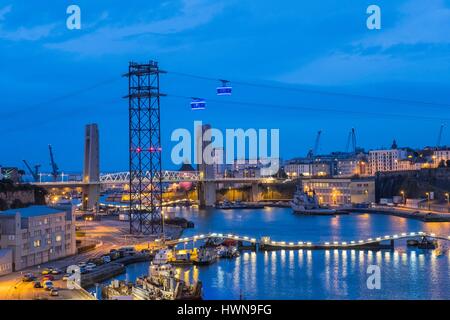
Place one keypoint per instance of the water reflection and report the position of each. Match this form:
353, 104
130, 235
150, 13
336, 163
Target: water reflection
326, 274
322, 274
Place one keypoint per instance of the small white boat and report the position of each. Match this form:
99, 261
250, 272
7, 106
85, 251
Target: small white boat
162, 257
205, 256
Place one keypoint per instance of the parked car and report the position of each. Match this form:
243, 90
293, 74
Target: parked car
55, 271
46, 271
54, 292
106, 259
82, 264
49, 277
91, 266
127, 250
37, 285
114, 255
48, 285
28, 277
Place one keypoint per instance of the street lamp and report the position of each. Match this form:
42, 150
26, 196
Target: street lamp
428, 200
447, 196
403, 196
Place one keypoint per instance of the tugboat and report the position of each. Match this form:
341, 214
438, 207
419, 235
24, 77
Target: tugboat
308, 205
160, 284
162, 256
205, 256
227, 252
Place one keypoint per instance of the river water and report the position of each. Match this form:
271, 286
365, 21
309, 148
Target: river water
315, 274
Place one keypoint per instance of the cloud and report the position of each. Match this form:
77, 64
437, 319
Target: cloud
24, 33
422, 22
120, 39
342, 68
397, 53
28, 34
4, 11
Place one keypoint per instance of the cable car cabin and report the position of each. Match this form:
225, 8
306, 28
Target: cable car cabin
224, 91
198, 104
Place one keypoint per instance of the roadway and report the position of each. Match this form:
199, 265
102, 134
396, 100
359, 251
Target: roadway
109, 234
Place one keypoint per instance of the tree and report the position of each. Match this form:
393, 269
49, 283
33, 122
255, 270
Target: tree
16, 204
441, 164
3, 205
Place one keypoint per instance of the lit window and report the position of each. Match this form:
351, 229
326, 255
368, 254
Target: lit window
37, 243
58, 238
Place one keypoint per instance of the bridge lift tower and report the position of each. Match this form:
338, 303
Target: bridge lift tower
145, 149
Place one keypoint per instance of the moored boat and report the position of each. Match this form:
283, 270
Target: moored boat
205, 256
161, 283
305, 204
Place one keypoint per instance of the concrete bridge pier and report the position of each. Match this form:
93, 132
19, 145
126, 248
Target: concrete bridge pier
91, 169
90, 197
255, 196
207, 194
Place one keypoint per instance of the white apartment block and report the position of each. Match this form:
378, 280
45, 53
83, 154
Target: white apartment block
386, 160
37, 234
294, 170
440, 155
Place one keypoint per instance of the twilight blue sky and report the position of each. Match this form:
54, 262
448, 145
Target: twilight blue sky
54, 80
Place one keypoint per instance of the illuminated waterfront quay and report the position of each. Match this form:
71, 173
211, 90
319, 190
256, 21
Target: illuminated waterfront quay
315, 274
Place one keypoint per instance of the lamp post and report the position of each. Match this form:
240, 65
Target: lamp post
428, 200
447, 196
403, 197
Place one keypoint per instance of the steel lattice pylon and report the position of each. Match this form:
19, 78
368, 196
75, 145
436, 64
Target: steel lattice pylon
145, 149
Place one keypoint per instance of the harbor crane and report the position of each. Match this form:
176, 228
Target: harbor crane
313, 152
34, 173
53, 164
351, 139
438, 144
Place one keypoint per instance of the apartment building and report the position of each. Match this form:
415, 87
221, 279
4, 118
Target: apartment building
306, 168
37, 234
386, 160
440, 155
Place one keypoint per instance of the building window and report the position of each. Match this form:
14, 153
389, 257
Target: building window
37, 243
58, 238
11, 237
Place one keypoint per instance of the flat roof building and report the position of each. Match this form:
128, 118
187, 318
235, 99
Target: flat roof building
37, 234
341, 191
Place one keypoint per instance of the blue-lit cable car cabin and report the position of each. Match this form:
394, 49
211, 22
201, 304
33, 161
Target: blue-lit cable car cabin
225, 89
198, 104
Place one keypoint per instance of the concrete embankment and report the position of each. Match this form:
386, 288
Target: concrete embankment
110, 270
410, 214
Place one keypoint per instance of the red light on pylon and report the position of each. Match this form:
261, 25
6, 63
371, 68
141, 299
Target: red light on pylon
138, 149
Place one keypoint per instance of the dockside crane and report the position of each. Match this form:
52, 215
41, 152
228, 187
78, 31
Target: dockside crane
313, 152
53, 164
438, 144
351, 139
34, 173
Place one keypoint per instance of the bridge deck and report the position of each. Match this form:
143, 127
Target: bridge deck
354, 244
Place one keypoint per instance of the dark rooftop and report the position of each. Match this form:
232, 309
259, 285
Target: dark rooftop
32, 211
